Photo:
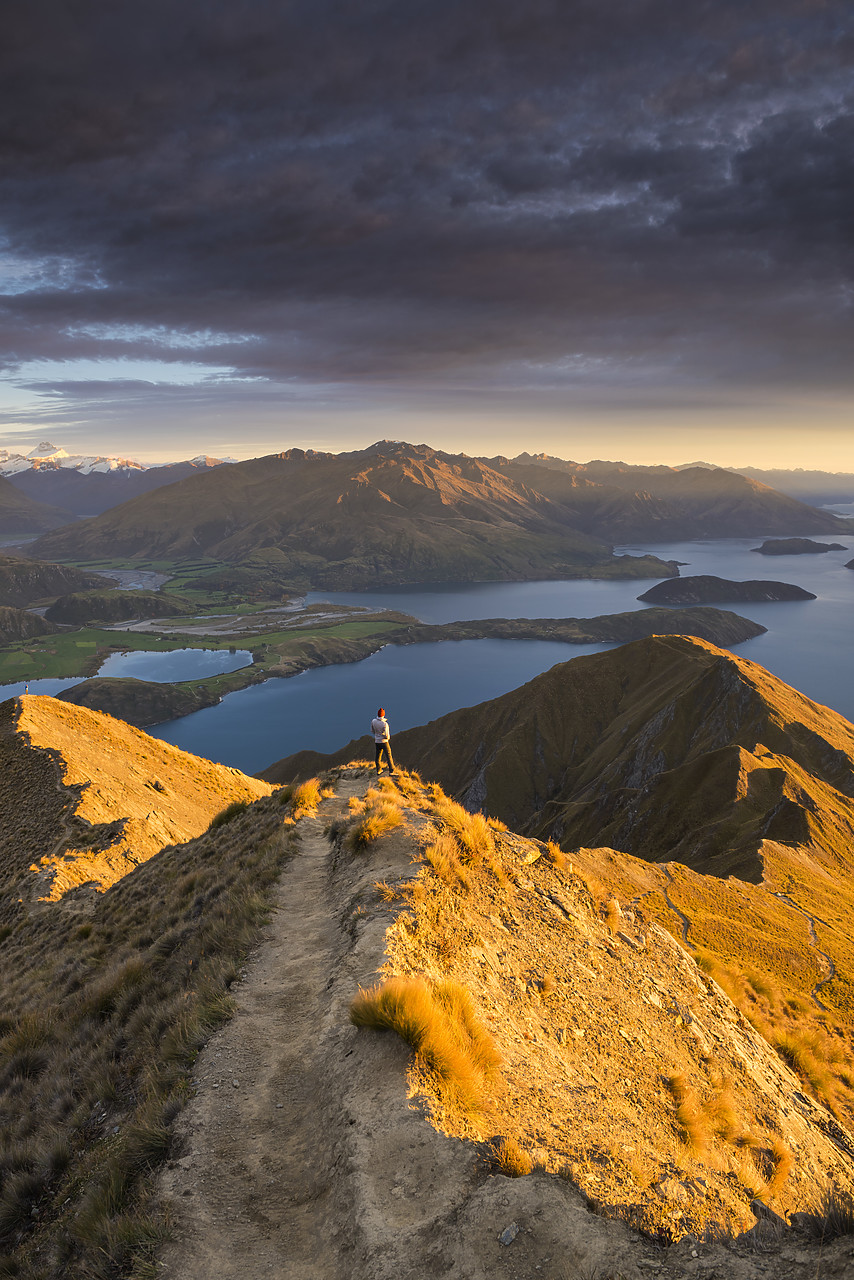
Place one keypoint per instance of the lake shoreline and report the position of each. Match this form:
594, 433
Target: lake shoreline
146, 703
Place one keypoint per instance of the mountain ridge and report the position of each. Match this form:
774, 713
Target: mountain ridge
391, 513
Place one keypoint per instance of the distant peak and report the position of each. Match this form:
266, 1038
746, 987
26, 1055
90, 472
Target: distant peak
47, 450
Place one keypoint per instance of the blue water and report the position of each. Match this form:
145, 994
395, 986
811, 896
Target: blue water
50, 687
160, 668
808, 644
173, 666
324, 708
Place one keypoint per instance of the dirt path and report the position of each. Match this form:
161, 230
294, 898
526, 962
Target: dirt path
253, 1189
813, 937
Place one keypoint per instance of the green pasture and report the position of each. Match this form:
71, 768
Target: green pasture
77, 653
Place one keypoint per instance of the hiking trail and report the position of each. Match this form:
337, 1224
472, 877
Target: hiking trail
254, 1186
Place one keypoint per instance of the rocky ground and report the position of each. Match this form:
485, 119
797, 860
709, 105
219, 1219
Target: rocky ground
314, 1149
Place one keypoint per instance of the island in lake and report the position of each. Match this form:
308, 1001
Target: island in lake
707, 589
796, 547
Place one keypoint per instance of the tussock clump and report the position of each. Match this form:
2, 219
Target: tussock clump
702, 1120
443, 854
784, 1162
230, 811
475, 838
507, 1157
306, 798
556, 855
613, 914
377, 815
473, 834
438, 1021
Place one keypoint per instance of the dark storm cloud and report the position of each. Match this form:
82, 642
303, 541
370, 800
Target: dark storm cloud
385, 191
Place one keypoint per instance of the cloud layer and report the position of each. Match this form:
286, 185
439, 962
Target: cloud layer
561, 197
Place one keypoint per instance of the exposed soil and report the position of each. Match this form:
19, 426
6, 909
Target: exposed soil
309, 1149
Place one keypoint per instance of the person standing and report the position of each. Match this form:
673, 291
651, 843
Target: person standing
382, 736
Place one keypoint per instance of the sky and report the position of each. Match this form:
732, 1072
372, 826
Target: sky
598, 228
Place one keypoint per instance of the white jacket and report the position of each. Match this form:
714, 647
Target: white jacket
380, 729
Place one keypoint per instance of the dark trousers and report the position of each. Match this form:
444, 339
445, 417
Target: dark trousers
382, 747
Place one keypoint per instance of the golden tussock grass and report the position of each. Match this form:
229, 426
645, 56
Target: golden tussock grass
702, 1120
613, 915
439, 1023
474, 836
443, 855
306, 798
476, 841
507, 1157
556, 856
377, 815
784, 1162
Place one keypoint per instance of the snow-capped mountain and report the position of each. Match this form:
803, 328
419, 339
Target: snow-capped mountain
87, 484
51, 457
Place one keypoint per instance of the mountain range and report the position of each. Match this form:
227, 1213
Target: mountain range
391, 513
661, 503
400, 513
86, 485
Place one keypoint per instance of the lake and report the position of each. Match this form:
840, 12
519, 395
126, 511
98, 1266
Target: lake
324, 708
807, 645
174, 665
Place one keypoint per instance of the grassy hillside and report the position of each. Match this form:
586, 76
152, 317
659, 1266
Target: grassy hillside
91, 797
25, 582
81, 608
20, 514
18, 624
